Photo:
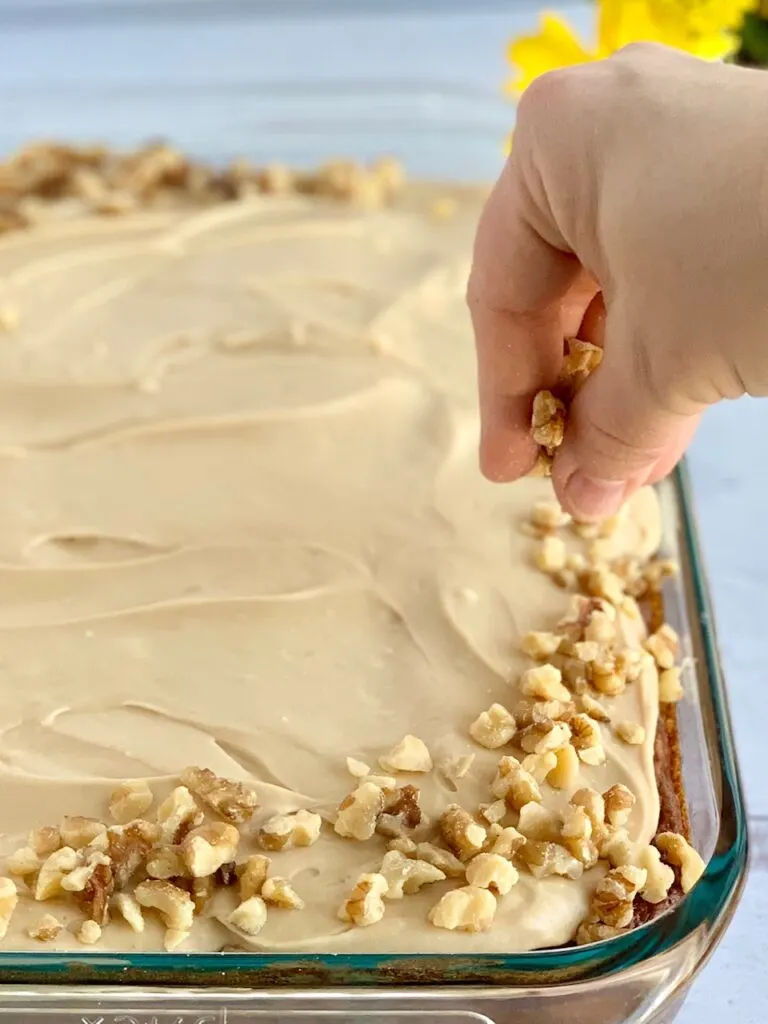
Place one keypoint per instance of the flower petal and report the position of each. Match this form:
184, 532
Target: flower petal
554, 46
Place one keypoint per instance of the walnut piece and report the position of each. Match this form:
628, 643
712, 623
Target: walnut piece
130, 910
565, 774
592, 707
358, 813
129, 846
548, 421
540, 765
96, 894
46, 929
9, 898
544, 682
409, 755
365, 905
670, 686
78, 831
358, 769
402, 812
250, 916
209, 847
587, 739
166, 862
286, 831
53, 870
461, 833
278, 892
538, 822
130, 800
456, 768
547, 858
507, 843
594, 804
405, 876
23, 862
89, 933
550, 555
495, 812
252, 875
677, 851
618, 802
77, 880
174, 905
613, 898
538, 739
234, 801
443, 860
595, 931
664, 645
514, 784
493, 728
615, 847
492, 871
583, 358
660, 877
540, 646
177, 815
470, 909
576, 824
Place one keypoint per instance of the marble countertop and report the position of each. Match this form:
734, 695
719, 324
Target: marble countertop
215, 74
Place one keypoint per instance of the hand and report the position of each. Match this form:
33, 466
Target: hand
633, 212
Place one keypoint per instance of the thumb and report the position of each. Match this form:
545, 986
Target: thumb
622, 426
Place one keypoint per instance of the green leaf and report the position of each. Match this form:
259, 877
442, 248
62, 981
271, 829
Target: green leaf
754, 39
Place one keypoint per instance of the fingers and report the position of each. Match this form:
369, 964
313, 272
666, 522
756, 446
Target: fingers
517, 283
621, 432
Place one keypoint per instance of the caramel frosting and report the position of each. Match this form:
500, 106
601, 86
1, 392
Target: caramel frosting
244, 528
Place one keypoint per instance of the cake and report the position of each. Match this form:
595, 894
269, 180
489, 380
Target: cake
281, 671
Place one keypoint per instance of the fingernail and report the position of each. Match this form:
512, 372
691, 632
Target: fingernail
594, 499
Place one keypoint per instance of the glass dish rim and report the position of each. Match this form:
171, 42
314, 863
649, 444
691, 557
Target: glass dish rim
708, 906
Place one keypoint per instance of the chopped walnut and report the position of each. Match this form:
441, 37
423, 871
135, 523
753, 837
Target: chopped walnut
278, 892
234, 801
613, 898
130, 800
548, 515
677, 851
551, 554
576, 824
405, 876
540, 765
250, 916
470, 909
600, 629
660, 877
461, 833
540, 646
166, 862
358, 814
543, 713
174, 905
402, 813
594, 708
615, 847
548, 858
583, 359
492, 871
358, 769
9, 898
664, 645
595, 931
404, 845
565, 774
537, 822
443, 860
495, 812
605, 677
409, 755
77, 880
177, 815
23, 862
584, 850
631, 733
493, 728
601, 582
53, 871
365, 905
253, 874
548, 421
46, 929
208, 847
587, 739
544, 683
455, 769
618, 801
78, 831
594, 804
89, 933
130, 910
670, 687
299, 828
538, 739
507, 843
514, 784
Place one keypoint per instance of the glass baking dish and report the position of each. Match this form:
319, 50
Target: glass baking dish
414, 101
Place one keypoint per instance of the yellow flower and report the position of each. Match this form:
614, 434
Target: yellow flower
701, 27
